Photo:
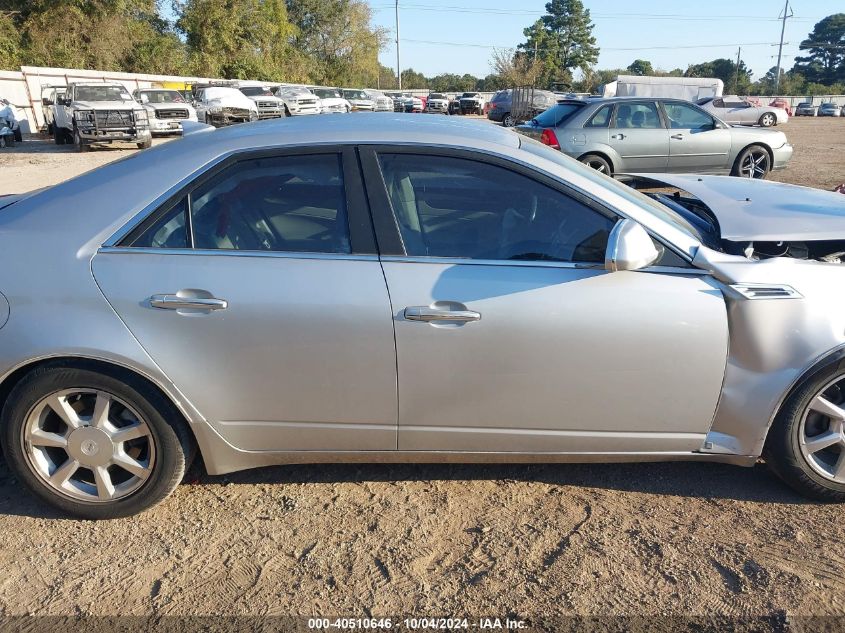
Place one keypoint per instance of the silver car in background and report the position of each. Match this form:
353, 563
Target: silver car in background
631, 134
381, 102
830, 109
375, 288
736, 110
358, 99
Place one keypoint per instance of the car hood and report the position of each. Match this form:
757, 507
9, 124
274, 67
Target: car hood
757, 210
745, 134
107, 105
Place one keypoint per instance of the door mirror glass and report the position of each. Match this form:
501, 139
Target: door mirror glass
629, 247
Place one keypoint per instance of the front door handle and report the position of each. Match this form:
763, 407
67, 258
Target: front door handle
175, 302
678, 137
620, 136
425, 313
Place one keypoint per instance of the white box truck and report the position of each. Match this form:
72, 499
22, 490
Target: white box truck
689, 88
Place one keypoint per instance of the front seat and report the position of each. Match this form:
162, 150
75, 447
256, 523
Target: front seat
623, 116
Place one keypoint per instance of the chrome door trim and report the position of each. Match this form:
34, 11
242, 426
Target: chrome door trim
132, 250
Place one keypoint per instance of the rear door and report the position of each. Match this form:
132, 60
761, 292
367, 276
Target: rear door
697, 141
258, 291
638, 136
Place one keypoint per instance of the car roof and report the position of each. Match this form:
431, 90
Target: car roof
378, 127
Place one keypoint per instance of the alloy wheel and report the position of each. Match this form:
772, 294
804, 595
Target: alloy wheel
821, 434
768, 120
755, 164
88, 445
598, 165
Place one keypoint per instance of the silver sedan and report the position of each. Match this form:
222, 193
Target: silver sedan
734, 109
625, 134
395, 290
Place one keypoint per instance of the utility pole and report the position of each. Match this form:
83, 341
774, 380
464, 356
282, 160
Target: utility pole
398, 68
786, 15
736, 76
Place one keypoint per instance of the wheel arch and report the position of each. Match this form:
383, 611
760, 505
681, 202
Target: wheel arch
108, 367
833, 359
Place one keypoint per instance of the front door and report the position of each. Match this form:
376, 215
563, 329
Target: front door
638, 136
511, 336
252, 294
697, 142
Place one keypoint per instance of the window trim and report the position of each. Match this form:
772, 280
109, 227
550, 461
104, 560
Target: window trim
361, 237
388, 234
610, 108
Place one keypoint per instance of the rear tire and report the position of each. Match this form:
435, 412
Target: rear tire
599, 163
18, 136
508, 120
167, 442
789, 451
58, 135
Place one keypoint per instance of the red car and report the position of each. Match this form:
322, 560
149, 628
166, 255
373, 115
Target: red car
783, 104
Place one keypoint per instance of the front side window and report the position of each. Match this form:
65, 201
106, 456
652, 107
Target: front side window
687, 117
637, 115
454, 207
282, 203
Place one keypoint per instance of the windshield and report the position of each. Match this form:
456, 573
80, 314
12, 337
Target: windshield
354, 94
326, 93
223, 93
469, 94
553, 117
102, 93
161, 96
256, 91
436, 95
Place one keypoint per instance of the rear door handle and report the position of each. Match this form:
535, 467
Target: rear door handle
679, 137
425, 313
175, 302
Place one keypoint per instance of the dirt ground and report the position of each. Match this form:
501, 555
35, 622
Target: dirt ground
660, 540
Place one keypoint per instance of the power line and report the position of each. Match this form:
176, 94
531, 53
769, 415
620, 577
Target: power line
599, 16
631, 48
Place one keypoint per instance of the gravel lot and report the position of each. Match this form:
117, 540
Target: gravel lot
352, 540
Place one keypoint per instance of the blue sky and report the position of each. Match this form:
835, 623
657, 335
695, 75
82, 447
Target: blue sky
714, 28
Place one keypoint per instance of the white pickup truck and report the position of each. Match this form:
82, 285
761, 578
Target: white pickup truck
99, 112
166, 109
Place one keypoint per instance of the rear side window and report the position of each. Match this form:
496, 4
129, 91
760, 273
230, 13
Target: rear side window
637, 115
283, 204
454, 207
600, 118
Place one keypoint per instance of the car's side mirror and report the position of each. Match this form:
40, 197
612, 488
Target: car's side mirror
629, 247
46, 101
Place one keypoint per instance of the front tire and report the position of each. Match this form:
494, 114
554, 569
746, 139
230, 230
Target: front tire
754, 162
58, 135
147, 144
805, 446
81, 146
768, 120
18, 136
93, 445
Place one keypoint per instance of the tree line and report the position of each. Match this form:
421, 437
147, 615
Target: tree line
334, 42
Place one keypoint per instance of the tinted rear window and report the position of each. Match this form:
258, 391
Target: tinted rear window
553, 117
